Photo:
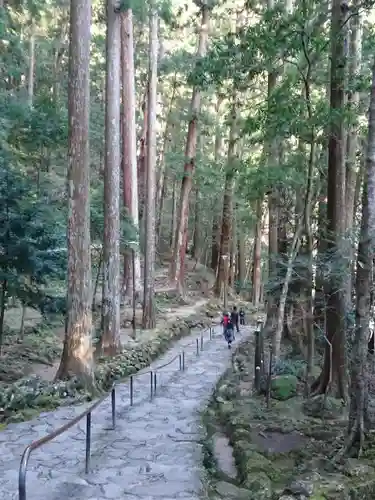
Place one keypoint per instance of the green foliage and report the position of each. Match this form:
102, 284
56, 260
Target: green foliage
295, 367
128, 234
32, 239
284, 387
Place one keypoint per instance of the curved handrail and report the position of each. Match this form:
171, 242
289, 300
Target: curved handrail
87, 413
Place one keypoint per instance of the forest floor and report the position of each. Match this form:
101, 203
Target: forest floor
285, 450
40, 350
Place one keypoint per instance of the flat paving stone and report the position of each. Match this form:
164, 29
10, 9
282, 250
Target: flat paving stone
154, 453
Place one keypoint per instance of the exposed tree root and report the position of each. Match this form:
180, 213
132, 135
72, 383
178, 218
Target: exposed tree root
355, 440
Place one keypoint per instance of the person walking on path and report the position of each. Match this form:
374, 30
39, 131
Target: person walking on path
242, 317
228, 329
234, 318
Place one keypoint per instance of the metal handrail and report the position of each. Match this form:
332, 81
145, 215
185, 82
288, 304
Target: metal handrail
87, 413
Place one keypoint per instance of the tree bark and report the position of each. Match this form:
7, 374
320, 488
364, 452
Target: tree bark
216, 219
227, 218
257, 254
129, 156
142, 159
335, 375
148, 319
195, 252
177, 269
174, 213
364, 285
161, 184
355, 54
110, 340
241, 260
30, 82
77, 357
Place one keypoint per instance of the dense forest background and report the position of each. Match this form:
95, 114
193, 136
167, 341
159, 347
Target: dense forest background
234, 133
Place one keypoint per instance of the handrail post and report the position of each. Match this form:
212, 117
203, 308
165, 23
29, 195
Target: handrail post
197, 346
113, 402
257, 361
88, 442
22, 474
154, 383
201, 341
131, 390
180, 361
210, 333
151, 384
183, 360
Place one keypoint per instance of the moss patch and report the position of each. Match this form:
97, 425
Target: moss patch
284, 387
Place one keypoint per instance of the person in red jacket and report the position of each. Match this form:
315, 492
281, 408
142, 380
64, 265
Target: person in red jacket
228, 329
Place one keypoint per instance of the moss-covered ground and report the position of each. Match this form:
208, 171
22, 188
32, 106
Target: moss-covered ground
286, 450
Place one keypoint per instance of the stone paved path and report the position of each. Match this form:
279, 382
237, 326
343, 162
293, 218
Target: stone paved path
154, 453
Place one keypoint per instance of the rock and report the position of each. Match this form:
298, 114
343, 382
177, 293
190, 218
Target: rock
284, 387
323, 407
257, 463
287, 497
356, 468
299, 487
260, 486
229, 491
363, 491
223, 454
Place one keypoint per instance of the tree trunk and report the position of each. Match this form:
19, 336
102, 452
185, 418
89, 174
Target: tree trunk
110, 339
335, 375
241, 260
3, 305
77, 356
142, 160
177, 270
30, 82
216, 219
359, 380
273, 235
129, 157
276, 338
256, 277
233, 251
174, 213
226, 227
355, 50
196, 239
161, 185
148, 320
319, 299
308, 206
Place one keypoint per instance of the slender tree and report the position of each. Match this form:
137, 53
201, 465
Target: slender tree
148, 320
129, 156
364, 286
177, 271
110, 340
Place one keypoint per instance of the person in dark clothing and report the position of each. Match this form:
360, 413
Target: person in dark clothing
234, 318
242, 316
228, 329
